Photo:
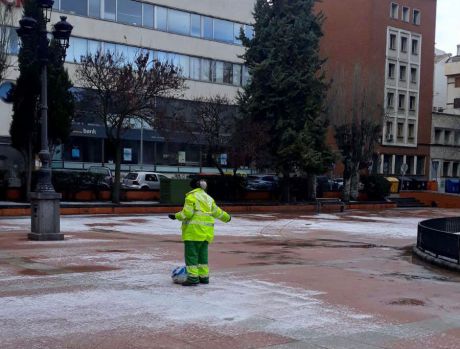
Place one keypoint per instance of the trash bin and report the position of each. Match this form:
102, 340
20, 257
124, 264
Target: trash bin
394, 184
453, 186
172, 191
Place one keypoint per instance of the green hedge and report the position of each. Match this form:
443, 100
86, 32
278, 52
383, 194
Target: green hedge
224, 188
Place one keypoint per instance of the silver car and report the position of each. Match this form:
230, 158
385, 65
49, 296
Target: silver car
142, 180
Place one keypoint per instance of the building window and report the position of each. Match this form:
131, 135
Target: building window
411, 133
400, 131
413, 75
194, 68
414, 46
389, 131
178, 22
206, 74
161, 18
457, 82
147, 15
129, 12
437, 135
236, 33
390, 100
392, 41
457, 103
420, 165
405, 14
402, 102
412, 103
218, 72
228, 73
110, 9
75, 7
236, 74
195, 29
94, 8
416, 17
447, 135
207, 27
455, 169
391, 70
445, 168
403, 44
223, 30
402, 73
394, 9
457, 138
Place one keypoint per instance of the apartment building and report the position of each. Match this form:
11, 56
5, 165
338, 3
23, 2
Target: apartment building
445, 135
452, 72
392, 41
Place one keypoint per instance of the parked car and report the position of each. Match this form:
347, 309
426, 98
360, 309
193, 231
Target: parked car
108, 177
142, 180
262, 182
339, 183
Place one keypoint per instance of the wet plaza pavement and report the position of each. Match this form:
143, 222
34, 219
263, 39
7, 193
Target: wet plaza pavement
345, 280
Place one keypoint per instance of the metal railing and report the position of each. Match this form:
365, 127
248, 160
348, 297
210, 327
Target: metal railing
440, 237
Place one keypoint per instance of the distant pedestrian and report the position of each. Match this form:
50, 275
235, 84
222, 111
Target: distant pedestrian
197, 219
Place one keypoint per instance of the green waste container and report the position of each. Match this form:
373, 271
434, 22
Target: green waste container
172, 191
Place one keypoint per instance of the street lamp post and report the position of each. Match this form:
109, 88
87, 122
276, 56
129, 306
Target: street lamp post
45, 202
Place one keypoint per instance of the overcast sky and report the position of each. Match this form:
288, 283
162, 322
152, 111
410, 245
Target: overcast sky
448, 25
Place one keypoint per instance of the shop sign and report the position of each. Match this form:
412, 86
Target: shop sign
181, 157
127, 154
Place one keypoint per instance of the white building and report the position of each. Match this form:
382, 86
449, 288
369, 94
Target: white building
198, 36
452, 71
440, 80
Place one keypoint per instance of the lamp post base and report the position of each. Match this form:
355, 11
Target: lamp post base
45, 224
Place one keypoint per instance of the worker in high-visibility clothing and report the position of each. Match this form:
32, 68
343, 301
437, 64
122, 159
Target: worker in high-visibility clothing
197, 219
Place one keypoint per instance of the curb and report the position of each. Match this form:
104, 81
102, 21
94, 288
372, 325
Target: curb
436, 261
79, 209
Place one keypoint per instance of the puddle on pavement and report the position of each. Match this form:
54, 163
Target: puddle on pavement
407, 301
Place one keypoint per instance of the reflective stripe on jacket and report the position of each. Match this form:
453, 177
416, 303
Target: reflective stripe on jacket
198, 216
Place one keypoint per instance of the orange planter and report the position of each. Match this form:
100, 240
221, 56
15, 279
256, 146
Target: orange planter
140, 195
85, 195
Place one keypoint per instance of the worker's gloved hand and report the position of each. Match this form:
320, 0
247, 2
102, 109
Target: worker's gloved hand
172, 216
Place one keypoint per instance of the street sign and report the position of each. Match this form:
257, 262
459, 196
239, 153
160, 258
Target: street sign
404, 168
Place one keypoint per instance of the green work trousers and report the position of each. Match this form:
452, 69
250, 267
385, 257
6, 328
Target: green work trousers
196, 260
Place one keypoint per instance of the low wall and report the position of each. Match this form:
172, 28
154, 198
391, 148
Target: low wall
82, 209
443, 200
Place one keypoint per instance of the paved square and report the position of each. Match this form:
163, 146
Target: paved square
345, 280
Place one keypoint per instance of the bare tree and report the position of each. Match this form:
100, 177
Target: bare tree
357, 113
6, 31
211, 123
119, 91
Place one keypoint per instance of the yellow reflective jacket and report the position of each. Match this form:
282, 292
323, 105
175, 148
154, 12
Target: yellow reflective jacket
198, 215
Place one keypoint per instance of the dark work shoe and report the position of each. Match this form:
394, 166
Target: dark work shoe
204, 281
190, 283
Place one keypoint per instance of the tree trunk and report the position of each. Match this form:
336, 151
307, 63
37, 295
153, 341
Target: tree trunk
286, 188
347, 173
311, 187
354, 183
116, 184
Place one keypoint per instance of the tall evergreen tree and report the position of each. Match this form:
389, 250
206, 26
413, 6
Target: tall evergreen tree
287, 86
25, 125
